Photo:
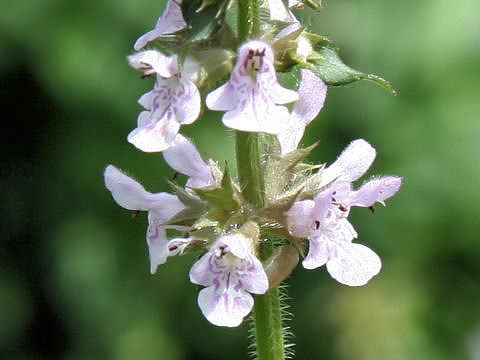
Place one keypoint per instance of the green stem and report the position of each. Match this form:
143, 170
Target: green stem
248, 19
269, 335
249, 167
268, 326
267, 311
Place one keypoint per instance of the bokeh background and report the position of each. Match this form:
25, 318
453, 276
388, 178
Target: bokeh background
74, 273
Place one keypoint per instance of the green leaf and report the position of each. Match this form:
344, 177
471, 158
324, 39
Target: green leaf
184, 196
328, 65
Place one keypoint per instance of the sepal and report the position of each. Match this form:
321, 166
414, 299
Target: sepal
223, 200
282, 171
195, 207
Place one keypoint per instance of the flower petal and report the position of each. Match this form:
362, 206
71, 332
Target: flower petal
156, 136
255, 281
170, 22
352, 163
354, 265
184, 157
157, 246
300, 218
127, 192
256, 115
223, 98
202, 272
224, 306
253, 277
312, 93
186, 101
154, 62
377, 189
317, 253
279, 12
229, 269
163, 207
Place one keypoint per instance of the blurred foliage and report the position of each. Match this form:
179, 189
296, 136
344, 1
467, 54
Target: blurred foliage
74, 280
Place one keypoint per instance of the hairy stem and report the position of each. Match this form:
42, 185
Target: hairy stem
269, 335
268, 326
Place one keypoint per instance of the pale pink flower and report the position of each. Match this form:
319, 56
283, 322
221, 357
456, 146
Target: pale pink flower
173, 101
323, 220
252, 96
231, 272
161, 207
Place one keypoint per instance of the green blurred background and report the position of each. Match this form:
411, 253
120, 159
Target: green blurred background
74, 275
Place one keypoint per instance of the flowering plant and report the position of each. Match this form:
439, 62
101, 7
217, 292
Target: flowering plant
251, 231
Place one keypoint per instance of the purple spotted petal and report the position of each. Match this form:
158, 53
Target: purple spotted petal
254, 279
172, 102
330, 233
170, 22
229, 271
